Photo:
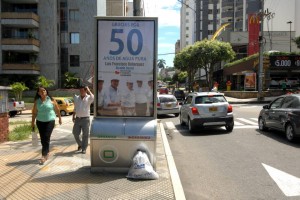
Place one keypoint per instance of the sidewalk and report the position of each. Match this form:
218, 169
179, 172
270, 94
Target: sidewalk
266, 100
66, 175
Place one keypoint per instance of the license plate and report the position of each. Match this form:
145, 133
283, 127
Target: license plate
213, 109
168, 105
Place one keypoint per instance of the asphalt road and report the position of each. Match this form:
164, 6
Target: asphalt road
245, 164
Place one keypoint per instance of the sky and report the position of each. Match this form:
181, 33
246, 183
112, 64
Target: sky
168, 13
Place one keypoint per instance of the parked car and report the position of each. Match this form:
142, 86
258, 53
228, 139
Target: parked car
179, 94
167, 104
15, 107
163, 90
204, 109
282, 114
65, 104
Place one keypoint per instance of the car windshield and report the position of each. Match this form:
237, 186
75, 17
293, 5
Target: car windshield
209, 99
167, 99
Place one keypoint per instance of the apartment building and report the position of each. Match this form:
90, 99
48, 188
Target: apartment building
51, 37
199, 20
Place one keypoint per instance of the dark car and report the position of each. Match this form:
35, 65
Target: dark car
282, 114
179, 94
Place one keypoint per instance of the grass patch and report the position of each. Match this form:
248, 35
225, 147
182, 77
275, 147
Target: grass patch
18, 122
20, 132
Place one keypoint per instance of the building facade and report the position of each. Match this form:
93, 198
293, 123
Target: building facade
49, 38
280, 25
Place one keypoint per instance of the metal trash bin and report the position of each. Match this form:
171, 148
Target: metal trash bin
114, 142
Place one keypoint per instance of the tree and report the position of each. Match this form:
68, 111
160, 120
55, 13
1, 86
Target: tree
71, 81
185, 61
297, 41
209, 52
161, 63
43, 82
18, 88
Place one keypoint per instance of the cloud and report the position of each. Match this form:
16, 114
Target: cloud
167, 11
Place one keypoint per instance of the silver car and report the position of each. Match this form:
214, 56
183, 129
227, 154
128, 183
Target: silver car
167, 104
203, 109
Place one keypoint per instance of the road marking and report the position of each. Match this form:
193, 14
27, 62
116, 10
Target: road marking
244, 126
238, 123
255, 119
289, 185
170, 125
247, 121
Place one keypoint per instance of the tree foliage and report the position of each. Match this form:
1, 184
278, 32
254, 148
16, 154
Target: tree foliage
297, 41
71, 81
44, 82
161, 63
18, 88
203, 54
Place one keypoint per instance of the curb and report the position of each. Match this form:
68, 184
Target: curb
177, 186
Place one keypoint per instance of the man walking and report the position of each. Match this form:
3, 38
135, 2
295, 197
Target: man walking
81, 117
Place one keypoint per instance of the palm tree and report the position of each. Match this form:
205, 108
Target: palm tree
161, 63
44, 82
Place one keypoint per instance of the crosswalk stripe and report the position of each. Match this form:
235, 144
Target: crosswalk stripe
170, 125
247, 121
238, 123
255, 119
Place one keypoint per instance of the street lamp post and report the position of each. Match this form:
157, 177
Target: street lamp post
290, 22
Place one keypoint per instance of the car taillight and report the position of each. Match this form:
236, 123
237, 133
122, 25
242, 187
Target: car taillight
229, 109
158, 104
67, 104
15, 104
194, 111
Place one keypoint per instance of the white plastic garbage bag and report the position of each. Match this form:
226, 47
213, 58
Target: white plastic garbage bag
141, 167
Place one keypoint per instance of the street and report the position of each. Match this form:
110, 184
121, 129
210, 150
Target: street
245, 164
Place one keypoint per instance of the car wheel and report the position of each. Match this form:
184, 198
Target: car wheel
229, 127
191, 126
63, 113
182, 123
262, 124
12, 113
176, 115
289, 132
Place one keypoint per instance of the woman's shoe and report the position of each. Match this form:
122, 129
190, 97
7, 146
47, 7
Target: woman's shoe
42, 160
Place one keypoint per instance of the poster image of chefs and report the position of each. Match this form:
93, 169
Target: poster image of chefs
126, 52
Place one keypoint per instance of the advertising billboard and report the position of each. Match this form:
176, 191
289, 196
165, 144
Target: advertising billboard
126, 61
250, 81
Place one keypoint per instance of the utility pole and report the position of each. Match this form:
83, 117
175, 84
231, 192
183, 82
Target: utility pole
290, 22
261, 52
197, 20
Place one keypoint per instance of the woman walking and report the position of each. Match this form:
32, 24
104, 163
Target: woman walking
44, 111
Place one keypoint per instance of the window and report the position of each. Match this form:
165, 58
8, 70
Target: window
276, 103
74, 61
74, 15
74, 38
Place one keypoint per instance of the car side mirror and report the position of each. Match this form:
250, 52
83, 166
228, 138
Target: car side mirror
266, 107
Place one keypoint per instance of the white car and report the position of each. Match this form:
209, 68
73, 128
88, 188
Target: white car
167, 104
204, 109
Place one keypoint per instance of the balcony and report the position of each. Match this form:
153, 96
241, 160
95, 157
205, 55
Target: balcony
20, 68
21, 1
20, 19
20, 44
